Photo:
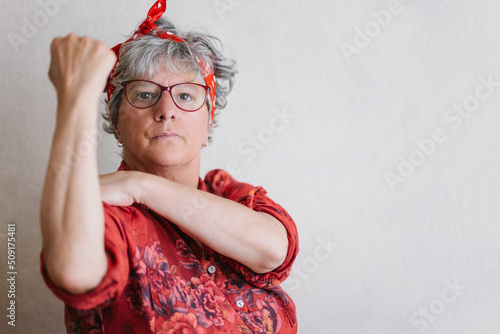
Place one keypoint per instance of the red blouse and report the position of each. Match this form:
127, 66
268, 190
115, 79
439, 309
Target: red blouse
161, 280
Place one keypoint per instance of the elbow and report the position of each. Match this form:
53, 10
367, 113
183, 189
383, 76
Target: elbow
275, 243
274, 257
73, 283
76, 279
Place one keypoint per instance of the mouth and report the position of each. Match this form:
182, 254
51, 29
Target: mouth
170, 134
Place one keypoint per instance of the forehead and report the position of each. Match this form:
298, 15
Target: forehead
167, 75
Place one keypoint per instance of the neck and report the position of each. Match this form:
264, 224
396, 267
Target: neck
186, 174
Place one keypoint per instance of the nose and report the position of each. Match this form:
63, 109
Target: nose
165, 108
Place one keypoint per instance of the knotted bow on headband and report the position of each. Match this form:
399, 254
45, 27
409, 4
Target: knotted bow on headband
156, 11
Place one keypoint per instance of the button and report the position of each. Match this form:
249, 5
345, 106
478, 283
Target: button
212, 269
240, 303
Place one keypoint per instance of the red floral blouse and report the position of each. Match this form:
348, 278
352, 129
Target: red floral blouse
160, 280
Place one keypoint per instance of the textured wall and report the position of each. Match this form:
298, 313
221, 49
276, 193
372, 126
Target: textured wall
374, 123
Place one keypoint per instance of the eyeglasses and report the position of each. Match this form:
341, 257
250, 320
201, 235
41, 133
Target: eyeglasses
143, 94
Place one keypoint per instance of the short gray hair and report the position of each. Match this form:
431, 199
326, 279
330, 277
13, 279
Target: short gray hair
140, 57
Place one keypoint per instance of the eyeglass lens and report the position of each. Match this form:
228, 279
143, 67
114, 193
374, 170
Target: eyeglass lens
144, 94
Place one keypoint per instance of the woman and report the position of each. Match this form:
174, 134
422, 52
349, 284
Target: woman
152, 247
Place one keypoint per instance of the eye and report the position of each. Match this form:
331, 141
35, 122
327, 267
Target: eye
145, 96
185, 97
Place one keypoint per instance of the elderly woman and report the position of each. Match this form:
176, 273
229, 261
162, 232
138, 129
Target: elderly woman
153, 247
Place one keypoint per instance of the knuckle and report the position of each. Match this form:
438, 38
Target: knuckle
55, 42
86, 40
101, 47
72, 36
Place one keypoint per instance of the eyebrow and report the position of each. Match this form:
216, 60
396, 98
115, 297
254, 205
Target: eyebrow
186, 81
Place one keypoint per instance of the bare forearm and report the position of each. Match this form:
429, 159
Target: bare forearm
71, 214
71, 209
255, 239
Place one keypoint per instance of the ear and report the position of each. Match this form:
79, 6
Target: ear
117, 132
205, 140
209, 129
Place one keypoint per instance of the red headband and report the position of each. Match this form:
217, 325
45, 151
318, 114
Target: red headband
145, 28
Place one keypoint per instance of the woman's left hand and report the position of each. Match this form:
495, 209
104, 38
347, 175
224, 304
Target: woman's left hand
121, 188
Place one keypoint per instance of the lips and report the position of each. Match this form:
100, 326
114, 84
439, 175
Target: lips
169, 134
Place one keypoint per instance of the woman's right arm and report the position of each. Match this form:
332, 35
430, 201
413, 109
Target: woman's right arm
71, 217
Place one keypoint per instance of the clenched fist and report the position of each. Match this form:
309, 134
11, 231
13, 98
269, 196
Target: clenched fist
79, 67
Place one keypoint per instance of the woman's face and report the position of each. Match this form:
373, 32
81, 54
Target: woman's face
162, 135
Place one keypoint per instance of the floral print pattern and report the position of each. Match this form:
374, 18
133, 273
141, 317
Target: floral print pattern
174, 285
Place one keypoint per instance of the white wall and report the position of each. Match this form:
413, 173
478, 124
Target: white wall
374, 258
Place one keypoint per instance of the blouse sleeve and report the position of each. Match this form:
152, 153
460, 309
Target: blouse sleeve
222, 184
116, 276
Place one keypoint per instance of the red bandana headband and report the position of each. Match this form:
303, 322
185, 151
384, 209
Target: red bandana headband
145, 28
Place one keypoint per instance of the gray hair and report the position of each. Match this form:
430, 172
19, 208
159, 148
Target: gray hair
140, 57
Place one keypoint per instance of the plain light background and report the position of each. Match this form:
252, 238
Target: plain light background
388, 158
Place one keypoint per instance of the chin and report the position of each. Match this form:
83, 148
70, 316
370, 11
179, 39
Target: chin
169, 156
174, 158
169, 160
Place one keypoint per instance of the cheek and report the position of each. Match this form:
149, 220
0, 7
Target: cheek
200, 120
127, 123
204, 126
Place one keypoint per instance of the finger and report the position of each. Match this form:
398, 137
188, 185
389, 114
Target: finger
53, 47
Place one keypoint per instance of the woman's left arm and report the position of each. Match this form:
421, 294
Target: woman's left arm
255, 239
